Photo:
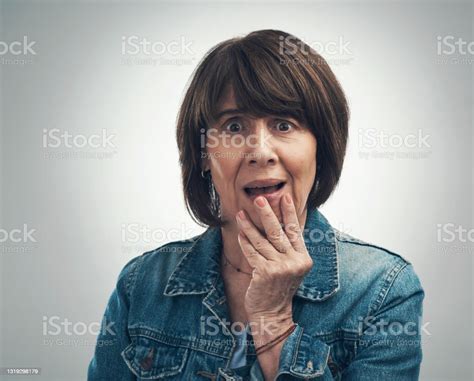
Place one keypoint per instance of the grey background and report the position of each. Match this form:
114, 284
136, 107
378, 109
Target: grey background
78, 81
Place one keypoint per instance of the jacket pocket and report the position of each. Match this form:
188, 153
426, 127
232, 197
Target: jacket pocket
150, 359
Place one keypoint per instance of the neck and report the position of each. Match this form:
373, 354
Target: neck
231, 249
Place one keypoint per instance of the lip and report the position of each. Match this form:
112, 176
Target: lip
266, 183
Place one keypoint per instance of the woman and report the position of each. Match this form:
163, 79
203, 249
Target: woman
270, 290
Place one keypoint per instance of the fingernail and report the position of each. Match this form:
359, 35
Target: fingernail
260, 201
288, 198
241, 215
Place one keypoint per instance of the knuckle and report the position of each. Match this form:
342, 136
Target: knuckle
307, 261
293, 237
296, 271
308, 265
286, 268
259, 245
303, 267
300, 271
294, 232
293, 227
252, 253
275, 234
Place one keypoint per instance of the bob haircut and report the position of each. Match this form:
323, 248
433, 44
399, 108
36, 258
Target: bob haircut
271, 73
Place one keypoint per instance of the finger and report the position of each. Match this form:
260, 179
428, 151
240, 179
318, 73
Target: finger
291, 223
272, 226
259, 242
254, 258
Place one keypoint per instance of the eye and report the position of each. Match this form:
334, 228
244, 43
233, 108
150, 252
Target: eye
234, 127
284, 126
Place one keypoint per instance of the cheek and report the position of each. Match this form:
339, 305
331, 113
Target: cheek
302, 166
224, 171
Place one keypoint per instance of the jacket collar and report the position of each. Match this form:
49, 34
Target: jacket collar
199, 269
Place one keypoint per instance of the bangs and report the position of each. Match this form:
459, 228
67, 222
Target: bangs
261, 84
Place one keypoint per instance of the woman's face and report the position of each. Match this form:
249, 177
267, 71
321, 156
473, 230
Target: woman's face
267, 156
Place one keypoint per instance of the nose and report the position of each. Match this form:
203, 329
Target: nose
260, 151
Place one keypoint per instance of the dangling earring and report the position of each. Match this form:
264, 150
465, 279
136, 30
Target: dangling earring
207, 175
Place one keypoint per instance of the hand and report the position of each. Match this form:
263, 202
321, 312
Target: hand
279, 259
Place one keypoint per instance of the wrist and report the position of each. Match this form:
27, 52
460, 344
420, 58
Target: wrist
271, 318
276, 341
265, 329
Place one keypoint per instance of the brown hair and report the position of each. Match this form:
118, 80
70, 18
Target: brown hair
271, 73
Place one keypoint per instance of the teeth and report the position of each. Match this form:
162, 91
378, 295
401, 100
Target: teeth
263, 190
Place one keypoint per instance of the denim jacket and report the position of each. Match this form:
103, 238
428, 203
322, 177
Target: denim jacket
358, 314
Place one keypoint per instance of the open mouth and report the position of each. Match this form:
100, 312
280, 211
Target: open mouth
259, 190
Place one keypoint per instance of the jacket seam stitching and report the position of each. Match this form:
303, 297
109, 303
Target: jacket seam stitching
131, 279
388, 283
361, 243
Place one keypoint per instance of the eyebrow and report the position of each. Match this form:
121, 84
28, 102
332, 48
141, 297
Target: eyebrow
237, 111
228, 111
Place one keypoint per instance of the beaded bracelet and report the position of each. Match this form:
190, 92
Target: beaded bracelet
276, 340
